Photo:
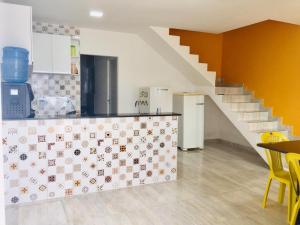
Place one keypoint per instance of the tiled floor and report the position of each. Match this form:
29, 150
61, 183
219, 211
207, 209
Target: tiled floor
217, 186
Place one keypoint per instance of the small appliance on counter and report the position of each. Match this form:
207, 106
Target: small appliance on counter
53, 106
191, 121
16, 101
16, 94
154, 100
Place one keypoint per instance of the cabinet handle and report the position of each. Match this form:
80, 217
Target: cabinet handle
199, 103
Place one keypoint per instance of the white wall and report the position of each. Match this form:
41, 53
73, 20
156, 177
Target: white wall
212, 115
138, 64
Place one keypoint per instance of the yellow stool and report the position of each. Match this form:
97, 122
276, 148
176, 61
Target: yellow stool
276, 169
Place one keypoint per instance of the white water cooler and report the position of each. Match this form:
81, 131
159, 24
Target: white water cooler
191, 123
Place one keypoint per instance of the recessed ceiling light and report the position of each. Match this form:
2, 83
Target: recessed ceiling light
94, 13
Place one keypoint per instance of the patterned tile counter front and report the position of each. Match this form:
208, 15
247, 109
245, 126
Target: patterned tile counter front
46, 159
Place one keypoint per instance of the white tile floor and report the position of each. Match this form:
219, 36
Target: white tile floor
219, 185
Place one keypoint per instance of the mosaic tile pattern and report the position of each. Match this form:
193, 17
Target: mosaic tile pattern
59, 29
55, 85
46, 159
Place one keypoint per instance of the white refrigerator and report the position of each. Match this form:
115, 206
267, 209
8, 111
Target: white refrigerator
191, 123
155, 100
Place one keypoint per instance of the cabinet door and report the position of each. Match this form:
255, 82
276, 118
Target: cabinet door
42, 53
61, 54
15, 27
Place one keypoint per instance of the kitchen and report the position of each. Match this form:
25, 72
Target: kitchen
70, 137
129, 112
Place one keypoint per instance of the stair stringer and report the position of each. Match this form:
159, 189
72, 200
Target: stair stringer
178, 56
252, 137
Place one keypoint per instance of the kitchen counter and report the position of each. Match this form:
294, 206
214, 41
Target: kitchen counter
46, 158
74, 116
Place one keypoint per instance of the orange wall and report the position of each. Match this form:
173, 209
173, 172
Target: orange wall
266, 58
207, 46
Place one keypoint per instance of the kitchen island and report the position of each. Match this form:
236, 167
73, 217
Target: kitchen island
47, 158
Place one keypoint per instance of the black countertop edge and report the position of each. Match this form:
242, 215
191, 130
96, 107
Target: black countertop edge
98, 116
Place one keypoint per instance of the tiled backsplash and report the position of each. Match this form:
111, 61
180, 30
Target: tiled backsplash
55, 85
55, 29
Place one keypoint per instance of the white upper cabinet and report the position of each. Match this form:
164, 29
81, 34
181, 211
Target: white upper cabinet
61, 54
51, 53
42, 57
16, 27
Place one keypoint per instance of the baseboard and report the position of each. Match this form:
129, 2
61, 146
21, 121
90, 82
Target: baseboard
228, 143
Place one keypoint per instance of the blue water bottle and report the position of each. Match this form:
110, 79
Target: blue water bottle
15, 67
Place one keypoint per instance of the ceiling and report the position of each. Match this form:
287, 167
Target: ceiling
131, 15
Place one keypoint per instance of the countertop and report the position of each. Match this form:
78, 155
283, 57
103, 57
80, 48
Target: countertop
189, 93
75, 116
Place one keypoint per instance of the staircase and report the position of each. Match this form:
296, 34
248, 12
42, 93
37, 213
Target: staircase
240, 106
